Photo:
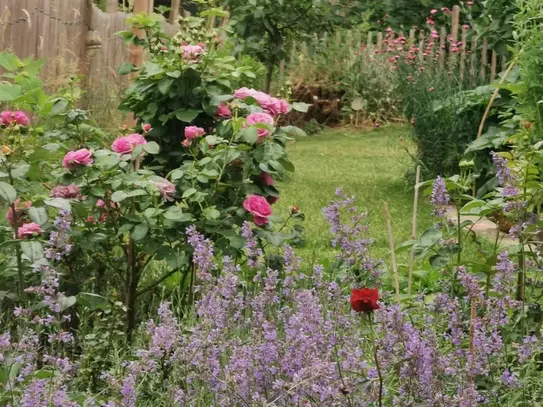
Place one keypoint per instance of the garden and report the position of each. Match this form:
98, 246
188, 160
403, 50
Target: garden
280, 211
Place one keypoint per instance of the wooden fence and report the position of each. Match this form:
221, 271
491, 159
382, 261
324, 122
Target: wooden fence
454, 47
72, 35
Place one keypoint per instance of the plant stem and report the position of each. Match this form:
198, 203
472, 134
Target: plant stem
376, 358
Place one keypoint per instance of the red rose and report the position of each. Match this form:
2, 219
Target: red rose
364, 299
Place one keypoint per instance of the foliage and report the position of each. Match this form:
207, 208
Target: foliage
267, 29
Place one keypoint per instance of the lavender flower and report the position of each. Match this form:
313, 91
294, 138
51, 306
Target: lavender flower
503, 173
203, 253
59, 244
251, 246
440, 196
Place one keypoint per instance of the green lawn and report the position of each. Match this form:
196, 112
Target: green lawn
369, 164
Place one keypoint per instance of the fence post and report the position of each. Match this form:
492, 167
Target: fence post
484, 59
442, 46
463, 53
112, 6
86, 17
493, 65
174, 11
379, 41
454, 34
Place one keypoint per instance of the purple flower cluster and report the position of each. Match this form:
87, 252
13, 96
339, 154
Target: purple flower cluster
349, 235
440, 197
59, 244
203, 253
254, 253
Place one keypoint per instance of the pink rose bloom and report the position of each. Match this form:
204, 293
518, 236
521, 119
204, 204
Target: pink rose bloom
266, 179
192, 132
101, 204
243, 93
223, 110
29, 230
146, 127
186, 143
76, 158
261, 118
435, 34
8, 118
259, 207
166, 189
20, 209
192, 52
71, 191
125, 145
466, 27
433, 11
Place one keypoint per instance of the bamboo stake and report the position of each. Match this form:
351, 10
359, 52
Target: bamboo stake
442, 47
380, 41
463, 53
493, 65
413, 231
484, 59
455, 18
494, 96
394, 268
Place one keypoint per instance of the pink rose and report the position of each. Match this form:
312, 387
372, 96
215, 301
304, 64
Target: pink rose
223, 110
29, 230
260, 118
71, 191
266, 179
125, 145
259, 208
243, 93
76, 158
192, 52
146, 127
166, 189
435, 34
192, 132
186, 143
8, 118
20, 209
433, 11
101, 204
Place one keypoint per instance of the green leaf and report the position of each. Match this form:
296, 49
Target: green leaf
237, 242
67, 302
249, 135
438, 261
20, 170
294, 131
9, 61
300, 107
164, 85
187, 116
59, 203
176, 214
177, 174
431, 236
125, 68
217, 100
7, 193
32, 249
189, 192
38, 215
153, 69
92, 301
119, 196
211, 213
136, 192
151, 147
140, 231
177, 260
108, 161
9, 92
127, 227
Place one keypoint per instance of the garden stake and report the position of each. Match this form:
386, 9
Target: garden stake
494, 96
413, 231
392, 254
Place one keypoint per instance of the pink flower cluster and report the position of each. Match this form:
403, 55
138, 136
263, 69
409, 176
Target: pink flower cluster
8, 118
78, 158
166, 189
20, 210
125, 145
29, 230
192, 132
192, 52
260, 118
269, 104
223, 111
71, 191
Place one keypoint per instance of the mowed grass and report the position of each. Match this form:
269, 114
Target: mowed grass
368, 164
